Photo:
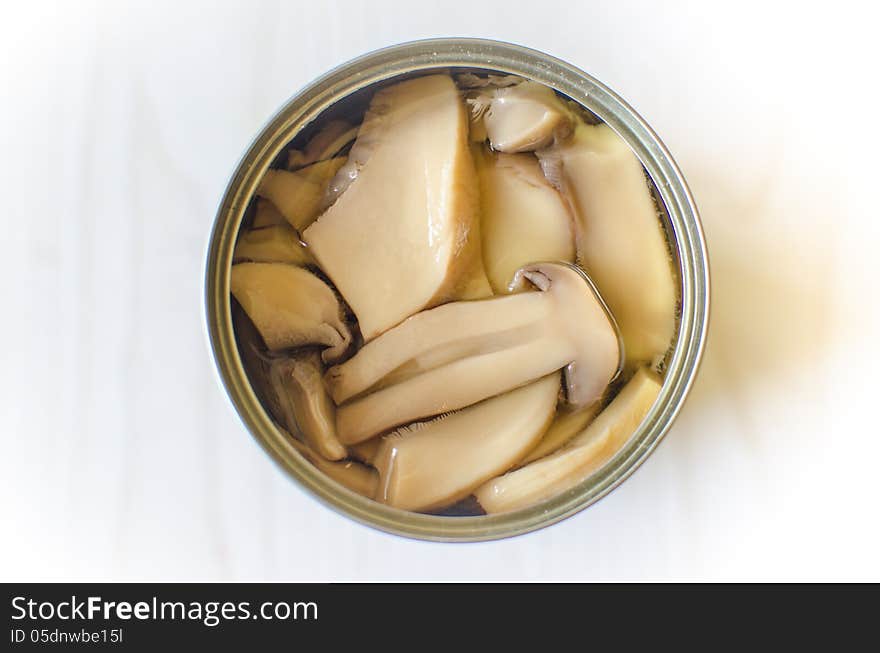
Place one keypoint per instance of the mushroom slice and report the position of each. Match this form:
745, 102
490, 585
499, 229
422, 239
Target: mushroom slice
266, 215
403, 235
297, 195
434, 337
328, 142
463, 352
620, 240
251, 351
290, 307
525, 117
365, 451
478, 92
428, 465
333, 147
524, 218
356, 477
476, 128
369, 136
567, 424
304, 402
470, 80
585, 454
276, 244
322, 171
296, 159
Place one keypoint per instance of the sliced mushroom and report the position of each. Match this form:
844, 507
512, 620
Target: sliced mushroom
327, 143
304, 402
585, 454
477, 101
403, 236
276, 244
463, 352
436, 337
290, 307
525, 117
431, 464
365, 451
356, 477
477, 128
470, 80
322, 171
296, 159
298, 195
251, 350
266, 215
333, 147
567, 424
620, 240
524, 218
370, 135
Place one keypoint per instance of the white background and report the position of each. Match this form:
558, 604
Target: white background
121, 457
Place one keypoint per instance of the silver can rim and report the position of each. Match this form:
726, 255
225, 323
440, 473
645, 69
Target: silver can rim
507, 58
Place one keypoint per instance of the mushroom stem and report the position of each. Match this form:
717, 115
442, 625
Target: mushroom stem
464, 352
450, 387
425, 340
586, 453
432, 464
563, 429
620, 240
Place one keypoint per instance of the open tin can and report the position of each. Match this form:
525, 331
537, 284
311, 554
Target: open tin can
351, 85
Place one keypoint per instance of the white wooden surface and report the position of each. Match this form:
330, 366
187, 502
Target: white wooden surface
121, 458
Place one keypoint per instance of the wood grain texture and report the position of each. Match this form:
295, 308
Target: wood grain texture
121, 457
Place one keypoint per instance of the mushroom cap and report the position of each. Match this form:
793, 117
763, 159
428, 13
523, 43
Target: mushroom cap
524, 117
584, 321
291, 307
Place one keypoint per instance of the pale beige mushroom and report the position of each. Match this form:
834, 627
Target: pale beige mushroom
472, 81
525, 117
524, 218
304, 402
290, 307
266, 215
566, 425
620, 240
298, 195
463, 352
327, 143
404, 234
365, 451
432, 464
276, 244
584, 455
477, 128
356, 477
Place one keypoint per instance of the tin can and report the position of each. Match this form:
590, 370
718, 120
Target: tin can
678, 213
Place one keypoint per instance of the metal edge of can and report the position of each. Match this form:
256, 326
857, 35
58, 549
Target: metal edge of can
506, 58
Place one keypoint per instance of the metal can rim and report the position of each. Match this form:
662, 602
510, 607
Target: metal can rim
506, 58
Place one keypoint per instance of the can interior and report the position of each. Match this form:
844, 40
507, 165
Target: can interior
352, 108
